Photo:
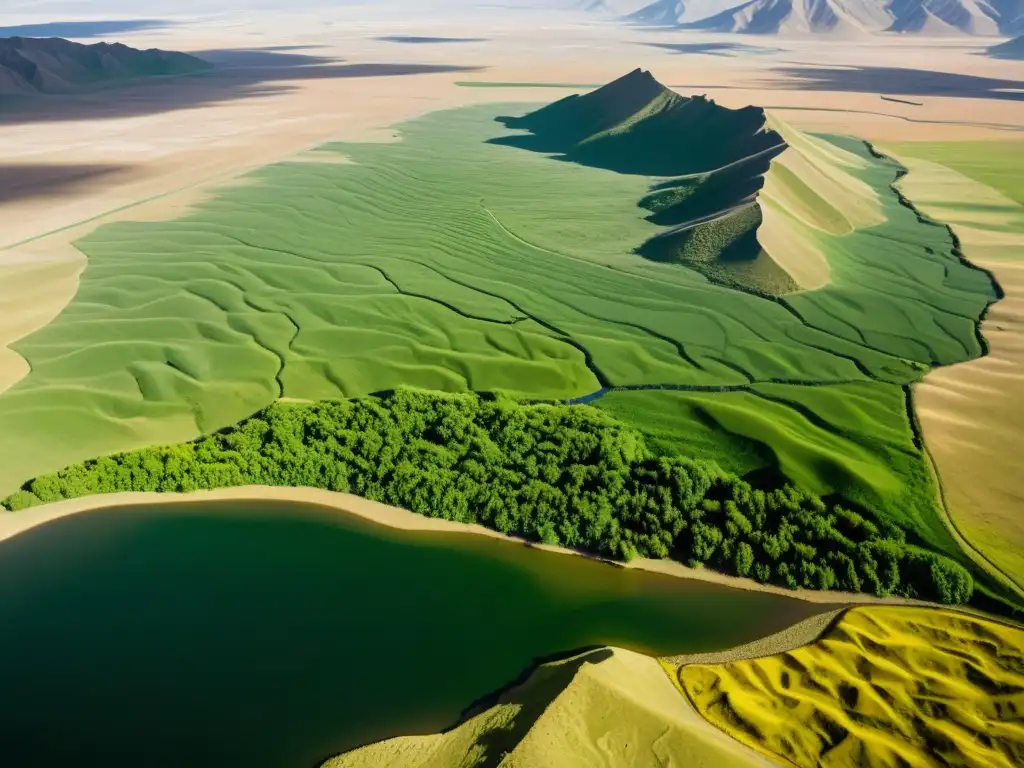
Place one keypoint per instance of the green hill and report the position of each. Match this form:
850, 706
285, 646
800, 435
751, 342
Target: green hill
714, 160
636, 125
52, 65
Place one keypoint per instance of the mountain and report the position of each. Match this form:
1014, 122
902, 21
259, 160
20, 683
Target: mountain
1011, 49
975, 17
712, 160
52, 65
636, 125
673, 13
738, 196
770, 17
659, 13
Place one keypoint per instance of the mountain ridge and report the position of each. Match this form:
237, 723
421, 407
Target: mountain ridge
53, 65
710, 163
836, 17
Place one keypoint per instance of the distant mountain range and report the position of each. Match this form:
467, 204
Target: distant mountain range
31, 65
851, 17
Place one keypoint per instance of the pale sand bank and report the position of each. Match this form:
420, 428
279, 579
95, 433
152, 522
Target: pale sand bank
14, 523
800, 634
608, 707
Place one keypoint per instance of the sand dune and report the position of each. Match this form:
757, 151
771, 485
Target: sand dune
809, 188
608, 708
883, 687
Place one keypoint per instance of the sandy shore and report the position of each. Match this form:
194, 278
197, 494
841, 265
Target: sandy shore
14, 523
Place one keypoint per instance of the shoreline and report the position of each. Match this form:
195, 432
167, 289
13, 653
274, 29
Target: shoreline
14, 523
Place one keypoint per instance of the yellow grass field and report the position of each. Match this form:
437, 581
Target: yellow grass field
883, 687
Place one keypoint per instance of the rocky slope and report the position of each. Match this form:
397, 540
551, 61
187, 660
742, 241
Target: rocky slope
31, 65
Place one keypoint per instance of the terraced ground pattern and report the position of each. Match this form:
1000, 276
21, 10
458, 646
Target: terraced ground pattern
883, 687
442, 262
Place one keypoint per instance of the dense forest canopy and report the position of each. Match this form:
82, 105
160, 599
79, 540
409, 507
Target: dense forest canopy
559, 474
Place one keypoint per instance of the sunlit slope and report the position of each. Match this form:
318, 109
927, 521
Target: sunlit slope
884, 687
811, 190
608, 708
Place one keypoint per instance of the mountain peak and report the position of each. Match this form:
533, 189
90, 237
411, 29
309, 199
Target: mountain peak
636, 125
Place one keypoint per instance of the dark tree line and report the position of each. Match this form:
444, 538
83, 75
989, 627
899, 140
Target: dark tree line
569, 475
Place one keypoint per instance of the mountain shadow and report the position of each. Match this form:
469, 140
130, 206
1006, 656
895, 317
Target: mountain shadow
226, 75
713, 49
426, 40
713, 160
898, 81
25, 182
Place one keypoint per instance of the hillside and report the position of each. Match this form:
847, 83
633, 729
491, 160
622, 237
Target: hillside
715, 162
1011, 49
842, 17
607, 707
767, 17
53, 65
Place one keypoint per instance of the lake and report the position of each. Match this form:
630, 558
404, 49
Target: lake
273, 634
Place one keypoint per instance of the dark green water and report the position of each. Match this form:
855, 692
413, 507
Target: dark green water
273, 635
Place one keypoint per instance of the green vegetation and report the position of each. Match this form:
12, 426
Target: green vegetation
997, 164
635, 125
848, 440
563, 475
439, 262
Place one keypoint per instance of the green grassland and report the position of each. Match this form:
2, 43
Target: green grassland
447, 261
997, 164
850, 440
